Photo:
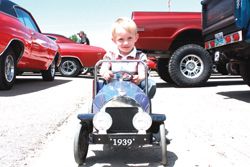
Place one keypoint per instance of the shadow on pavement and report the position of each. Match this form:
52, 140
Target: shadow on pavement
149, 156
164, 85
210, 83
30, 85
239, 95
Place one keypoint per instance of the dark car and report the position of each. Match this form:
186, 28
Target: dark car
23, 47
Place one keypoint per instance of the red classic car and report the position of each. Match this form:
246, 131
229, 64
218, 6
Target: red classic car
23, 47
152, 63
76, 58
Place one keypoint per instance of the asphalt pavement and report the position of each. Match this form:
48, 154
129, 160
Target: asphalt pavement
208, 126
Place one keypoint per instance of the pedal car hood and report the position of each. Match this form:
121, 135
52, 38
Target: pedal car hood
121, 93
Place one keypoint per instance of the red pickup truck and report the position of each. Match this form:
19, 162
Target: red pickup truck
175, 39
23, 47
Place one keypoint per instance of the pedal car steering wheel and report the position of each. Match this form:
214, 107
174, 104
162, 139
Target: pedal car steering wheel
123, 75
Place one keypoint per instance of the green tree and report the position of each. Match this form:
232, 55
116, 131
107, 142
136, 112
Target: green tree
74, 37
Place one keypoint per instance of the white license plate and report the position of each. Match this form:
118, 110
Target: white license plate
122, 141
219, 39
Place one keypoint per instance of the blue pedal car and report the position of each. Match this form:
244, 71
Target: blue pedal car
120, 116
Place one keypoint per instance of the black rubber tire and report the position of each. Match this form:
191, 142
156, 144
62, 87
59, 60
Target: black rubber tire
70, 67
162, 69
190, 66
19, 73
245, 71
49, 75
81, 144
7, 78
222, 68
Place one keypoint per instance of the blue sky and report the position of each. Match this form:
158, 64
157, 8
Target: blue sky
95, 17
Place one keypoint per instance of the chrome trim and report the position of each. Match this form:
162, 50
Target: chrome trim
240, 40
240, 33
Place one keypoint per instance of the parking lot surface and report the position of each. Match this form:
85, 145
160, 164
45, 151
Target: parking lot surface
207, 126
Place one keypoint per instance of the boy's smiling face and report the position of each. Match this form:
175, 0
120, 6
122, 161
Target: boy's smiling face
125, 40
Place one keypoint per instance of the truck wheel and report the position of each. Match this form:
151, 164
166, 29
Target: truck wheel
7, 70
190, 65
163, 143
162, 69
49, 75
69, 68
245, 72
81, 144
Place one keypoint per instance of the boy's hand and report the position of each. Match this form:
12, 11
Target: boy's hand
136, 79
107, 75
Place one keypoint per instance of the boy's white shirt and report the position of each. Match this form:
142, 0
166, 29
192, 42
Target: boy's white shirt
123, 66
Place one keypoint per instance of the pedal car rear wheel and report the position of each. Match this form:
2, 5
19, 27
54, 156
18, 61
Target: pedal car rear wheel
163, 143
81, 144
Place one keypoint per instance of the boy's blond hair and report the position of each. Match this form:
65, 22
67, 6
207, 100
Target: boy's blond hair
126, 23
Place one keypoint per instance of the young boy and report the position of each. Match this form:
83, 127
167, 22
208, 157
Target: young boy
124, 36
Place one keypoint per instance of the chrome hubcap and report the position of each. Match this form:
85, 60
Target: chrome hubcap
191, 66
68, 67
53, 68
9, 68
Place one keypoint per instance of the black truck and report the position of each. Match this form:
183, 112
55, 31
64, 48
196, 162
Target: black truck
226, 33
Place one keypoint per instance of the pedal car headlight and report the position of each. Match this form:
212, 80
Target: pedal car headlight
102, 121
142, 121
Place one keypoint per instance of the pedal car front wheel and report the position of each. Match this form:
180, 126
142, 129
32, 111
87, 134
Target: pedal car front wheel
81, 144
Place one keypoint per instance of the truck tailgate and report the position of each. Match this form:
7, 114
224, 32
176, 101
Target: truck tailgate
218, 14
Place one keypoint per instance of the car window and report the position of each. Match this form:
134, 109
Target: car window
26, 19
7, 7
20, 16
